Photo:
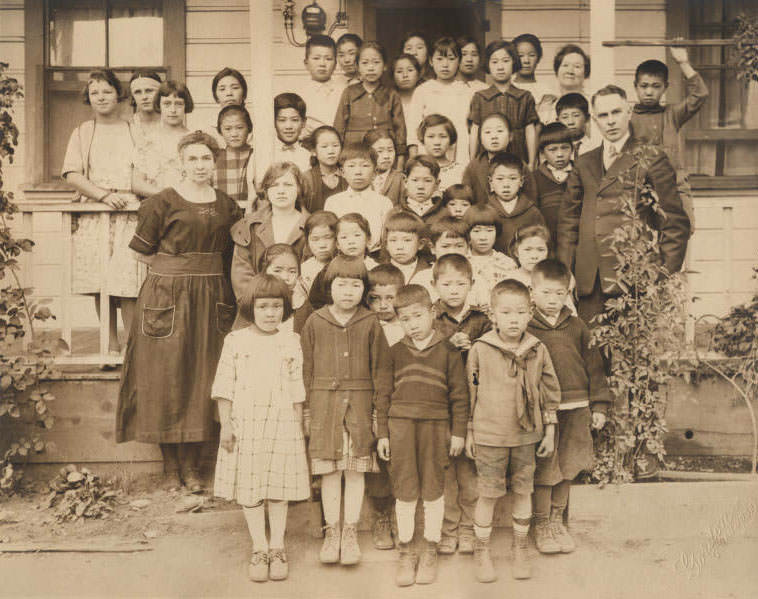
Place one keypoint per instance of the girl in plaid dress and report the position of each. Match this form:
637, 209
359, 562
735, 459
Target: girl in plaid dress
259, 390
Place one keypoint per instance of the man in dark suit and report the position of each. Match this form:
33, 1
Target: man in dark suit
590, 210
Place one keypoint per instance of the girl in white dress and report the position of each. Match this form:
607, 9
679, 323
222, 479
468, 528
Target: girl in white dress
259, 390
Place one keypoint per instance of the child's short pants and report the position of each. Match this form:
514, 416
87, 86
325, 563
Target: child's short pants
418, 458
573, 449
493, 463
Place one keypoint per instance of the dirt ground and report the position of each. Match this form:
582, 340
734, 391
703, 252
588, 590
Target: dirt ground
645, 540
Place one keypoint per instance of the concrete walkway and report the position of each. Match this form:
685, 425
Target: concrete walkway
665, 540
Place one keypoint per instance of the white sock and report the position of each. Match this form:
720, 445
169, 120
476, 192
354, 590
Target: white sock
256, 524
406, 520
433, 514
277, 522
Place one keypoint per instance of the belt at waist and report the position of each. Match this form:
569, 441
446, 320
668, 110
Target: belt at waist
187, 264
323, 383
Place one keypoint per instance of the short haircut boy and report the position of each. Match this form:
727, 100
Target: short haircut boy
433, 120
509, 287
510, 48
609, 90
355, 151
554, 133
573, 100
424, 161
263, 286
508, 160
289, 100
444, 46
409, 295
228, 72
399, 220
452, 262
320, 41
349, 38
447, 226
532, 39
385, 274
234, 109
654, 68
482, 215
552, 269
458, 191
571, 49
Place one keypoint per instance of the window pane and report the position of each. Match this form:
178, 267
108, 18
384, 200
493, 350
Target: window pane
77, 34
135, 35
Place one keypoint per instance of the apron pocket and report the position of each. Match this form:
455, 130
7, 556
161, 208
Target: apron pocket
158, 322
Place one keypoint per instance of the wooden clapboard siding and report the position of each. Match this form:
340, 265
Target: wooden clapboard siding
12, 37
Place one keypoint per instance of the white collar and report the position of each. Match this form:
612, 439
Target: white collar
508, 205
560, 174
420, 208
406, 269
424, 343
464, 309
617, 145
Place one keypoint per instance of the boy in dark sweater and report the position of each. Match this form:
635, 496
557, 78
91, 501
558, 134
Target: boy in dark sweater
414, 427
461, 325
514, 208
584, 402
555, 148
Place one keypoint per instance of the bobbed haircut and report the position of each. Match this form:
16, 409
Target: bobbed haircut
508, 160
452, 262
509, 47
499, 116
573, 100
274, 251
106, 76
232, 109
445, 45
376, 46
353, 151
142, 75
279, 169
320, 218
571, 49
349, 38
385, 274
465, 40
356, 219
458, 191
198, 137
403, 221
173, 88
447, 226
524, 233
529, 38
509, 287
553, 270
410, 58
289, 100
654, 68
608, 90
553, 133
263, 286
482, 215
320, 41
409, 295
434, 120
345, 267
375, 135
228, 72
423, 161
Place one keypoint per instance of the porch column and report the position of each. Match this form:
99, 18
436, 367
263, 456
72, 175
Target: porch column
602, 28
261, 89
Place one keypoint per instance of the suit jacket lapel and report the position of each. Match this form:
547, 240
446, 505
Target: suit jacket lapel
622, 163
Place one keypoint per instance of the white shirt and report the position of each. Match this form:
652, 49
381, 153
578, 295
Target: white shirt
510, 205
292, 153
584, 145
393, 331
475, 84
452, 100
450, 175
424, 342
406, 269
612, 150
559, 174
372, 205
321, 100
420, 208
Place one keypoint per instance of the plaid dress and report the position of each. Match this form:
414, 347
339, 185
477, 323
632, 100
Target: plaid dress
231, 172
262, 376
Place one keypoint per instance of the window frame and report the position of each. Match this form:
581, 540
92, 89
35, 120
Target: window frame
678, 24
36, 28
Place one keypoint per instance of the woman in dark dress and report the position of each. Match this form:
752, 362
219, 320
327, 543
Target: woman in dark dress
184, 310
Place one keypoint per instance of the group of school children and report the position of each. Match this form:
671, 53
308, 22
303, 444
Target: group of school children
402, 331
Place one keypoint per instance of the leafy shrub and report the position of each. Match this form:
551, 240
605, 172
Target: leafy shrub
78, 493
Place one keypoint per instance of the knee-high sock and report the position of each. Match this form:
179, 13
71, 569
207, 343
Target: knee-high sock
256, 524
331, 496
277, 522
433, 513
406, 520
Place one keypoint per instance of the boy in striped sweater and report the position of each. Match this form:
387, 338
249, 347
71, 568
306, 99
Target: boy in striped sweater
414, 427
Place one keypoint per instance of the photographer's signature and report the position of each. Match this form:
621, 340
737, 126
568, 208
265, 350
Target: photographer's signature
718, 535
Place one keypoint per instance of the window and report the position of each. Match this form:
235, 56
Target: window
722, 140
66, 39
